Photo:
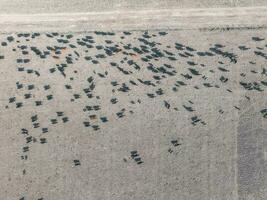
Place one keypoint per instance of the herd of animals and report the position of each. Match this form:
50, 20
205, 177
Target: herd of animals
134, 67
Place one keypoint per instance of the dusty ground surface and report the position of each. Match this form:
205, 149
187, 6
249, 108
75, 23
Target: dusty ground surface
59, 6
133, 115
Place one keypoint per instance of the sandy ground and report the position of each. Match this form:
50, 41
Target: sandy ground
133, 115
59, 6
137, 19
166, 100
